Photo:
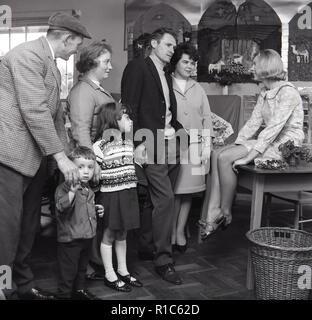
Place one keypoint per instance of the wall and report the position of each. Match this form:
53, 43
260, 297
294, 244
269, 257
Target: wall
103, 19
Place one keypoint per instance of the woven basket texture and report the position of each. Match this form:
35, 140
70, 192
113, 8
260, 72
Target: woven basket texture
277, 254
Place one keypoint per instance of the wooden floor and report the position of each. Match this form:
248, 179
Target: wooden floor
215, 269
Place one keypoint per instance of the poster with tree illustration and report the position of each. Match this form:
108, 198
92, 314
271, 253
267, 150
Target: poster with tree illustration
300, 47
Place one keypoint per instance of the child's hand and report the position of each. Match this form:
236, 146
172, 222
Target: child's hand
99, 210
74, 188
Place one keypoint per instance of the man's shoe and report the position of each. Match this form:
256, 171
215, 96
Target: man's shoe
84, 295
146, 256
168, 273
95, 276
36, 294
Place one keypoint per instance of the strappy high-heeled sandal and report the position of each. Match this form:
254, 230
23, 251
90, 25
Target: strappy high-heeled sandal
208, 228
228, 220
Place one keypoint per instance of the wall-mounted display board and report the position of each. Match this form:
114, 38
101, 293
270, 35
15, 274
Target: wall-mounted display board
300, 46
227, 33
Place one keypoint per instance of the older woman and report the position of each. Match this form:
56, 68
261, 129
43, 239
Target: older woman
193, 112
86, 100
279, 107
88, 96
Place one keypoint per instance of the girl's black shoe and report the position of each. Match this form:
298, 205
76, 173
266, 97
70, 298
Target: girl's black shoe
118, 285
131, 280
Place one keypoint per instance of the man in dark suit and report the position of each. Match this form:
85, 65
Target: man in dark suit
31, 128
147, 90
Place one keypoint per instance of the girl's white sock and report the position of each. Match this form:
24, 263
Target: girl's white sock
107, 257
121, 253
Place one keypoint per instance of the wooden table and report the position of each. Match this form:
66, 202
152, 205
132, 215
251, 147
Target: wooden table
259, 181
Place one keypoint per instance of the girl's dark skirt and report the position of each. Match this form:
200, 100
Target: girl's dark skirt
121, 209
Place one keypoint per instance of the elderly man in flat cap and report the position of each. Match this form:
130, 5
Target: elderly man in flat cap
31, 128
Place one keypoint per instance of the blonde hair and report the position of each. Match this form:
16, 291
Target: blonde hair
269, 66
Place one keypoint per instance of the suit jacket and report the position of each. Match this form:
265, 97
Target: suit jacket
31, 117
141, 90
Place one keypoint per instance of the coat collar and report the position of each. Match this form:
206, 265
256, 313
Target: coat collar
49, 54
87, 80
189, 84
271, 94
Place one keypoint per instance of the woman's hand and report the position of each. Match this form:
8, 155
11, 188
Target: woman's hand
239, 162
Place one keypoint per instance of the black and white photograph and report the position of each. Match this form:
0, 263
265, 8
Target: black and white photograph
155, 154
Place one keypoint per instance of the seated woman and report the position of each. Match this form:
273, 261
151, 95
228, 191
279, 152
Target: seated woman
193, 112
279, 107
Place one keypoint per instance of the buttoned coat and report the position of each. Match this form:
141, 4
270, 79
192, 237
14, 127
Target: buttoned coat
31, 117
193, 112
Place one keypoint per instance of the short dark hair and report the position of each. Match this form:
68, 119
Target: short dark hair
159, 33
89, 53
82, 152
182, 48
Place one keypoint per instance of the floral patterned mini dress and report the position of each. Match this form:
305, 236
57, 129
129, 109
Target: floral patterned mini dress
280, 112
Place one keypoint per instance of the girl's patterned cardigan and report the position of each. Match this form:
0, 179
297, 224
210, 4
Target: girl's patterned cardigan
117, 164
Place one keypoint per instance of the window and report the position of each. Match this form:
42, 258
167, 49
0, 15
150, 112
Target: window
11, 37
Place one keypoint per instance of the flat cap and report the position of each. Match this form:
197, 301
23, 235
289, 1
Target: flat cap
63, 21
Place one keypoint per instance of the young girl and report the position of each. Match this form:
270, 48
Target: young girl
118, 194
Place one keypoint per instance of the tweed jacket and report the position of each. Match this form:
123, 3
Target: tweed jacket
142, 91
31, 117
85, 102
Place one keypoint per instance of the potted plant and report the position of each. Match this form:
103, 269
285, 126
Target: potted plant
293, 154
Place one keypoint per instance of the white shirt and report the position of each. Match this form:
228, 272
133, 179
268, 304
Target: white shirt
181, 83
169, 130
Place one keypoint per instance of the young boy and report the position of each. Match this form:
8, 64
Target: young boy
76, 226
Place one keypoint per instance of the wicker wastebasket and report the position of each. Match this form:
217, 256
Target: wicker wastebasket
278, 255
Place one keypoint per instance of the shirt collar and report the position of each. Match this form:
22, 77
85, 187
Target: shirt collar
96, 82
53, 55
159, 66
271, 94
